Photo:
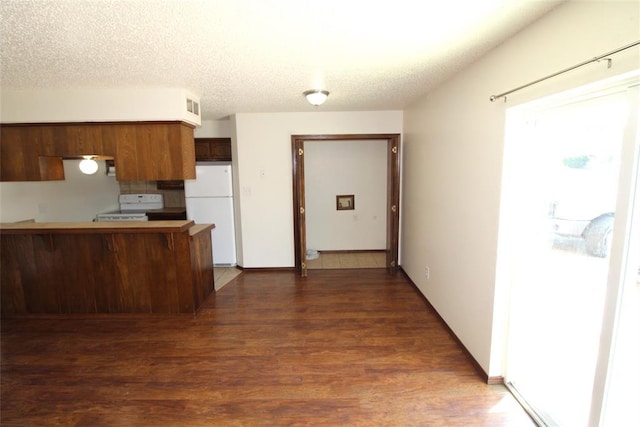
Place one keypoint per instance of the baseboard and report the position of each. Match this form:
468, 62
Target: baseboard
265, 269
495, 380
351, 251
489, 380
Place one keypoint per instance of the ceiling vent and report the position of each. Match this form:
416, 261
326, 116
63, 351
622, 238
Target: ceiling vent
193, 106
192, 112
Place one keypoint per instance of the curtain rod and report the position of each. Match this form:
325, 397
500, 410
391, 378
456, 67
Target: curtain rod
589, 61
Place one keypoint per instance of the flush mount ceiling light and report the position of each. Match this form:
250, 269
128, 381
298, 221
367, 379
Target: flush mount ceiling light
88, 166
316, 96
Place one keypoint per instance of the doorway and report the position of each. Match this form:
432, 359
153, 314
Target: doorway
571, 168
393, 194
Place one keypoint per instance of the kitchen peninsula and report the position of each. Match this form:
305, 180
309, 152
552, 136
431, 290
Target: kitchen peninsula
105, 267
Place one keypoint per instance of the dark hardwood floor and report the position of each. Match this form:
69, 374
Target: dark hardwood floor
340, 348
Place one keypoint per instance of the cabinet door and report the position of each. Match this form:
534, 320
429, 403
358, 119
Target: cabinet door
16, 164
126, 159
72, 140
202, 150
82, 140
187, 153
46, 142
155, 152
222, 150
108, 139
25, 155
213, 149
161, 153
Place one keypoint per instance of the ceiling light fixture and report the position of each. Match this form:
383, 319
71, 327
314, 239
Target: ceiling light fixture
316, 96
88, 166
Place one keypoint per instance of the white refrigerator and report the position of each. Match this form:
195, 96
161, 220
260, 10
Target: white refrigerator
209, 200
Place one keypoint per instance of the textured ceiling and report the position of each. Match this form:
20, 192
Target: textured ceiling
256, 55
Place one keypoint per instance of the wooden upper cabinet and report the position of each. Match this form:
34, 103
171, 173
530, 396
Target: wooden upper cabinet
126, 158
213, 149
143, 151
83, 140
155, 152
28, 154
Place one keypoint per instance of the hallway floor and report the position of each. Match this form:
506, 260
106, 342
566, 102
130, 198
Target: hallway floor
369, 259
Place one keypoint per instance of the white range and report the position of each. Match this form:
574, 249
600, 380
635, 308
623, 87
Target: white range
133, 207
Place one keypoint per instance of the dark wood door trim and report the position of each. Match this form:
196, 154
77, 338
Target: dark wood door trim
393, 193
299, 221
393, 202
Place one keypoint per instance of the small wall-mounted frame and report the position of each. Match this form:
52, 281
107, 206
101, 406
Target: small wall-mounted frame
345, 202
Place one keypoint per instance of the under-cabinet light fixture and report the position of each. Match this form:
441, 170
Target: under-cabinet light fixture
88, 166
316, 96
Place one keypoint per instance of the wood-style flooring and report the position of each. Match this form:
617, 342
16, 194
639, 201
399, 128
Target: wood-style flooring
339, 348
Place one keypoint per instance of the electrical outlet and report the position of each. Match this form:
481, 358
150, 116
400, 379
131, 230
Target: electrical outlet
427, 272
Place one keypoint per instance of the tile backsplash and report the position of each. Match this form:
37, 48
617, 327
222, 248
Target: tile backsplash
173, 198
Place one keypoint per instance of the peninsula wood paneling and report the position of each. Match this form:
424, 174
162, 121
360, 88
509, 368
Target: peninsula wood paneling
202, 266
117, 272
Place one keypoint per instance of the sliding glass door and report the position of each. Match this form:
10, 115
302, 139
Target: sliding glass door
618, 385
568, 195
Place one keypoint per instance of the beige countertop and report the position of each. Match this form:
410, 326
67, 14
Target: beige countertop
103, 227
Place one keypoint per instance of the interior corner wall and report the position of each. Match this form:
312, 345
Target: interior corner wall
452, 162
213, 129
262, 161
236, 190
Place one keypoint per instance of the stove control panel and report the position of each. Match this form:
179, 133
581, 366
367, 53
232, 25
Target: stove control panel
141, 202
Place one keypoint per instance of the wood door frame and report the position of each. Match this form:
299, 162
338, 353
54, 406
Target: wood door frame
393, 194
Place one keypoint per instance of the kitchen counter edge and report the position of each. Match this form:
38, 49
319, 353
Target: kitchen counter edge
175, 226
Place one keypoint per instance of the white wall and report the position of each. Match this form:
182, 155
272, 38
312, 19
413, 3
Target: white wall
237, 200
452, 154
346, 167
263, 174
78, 198
213, 129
